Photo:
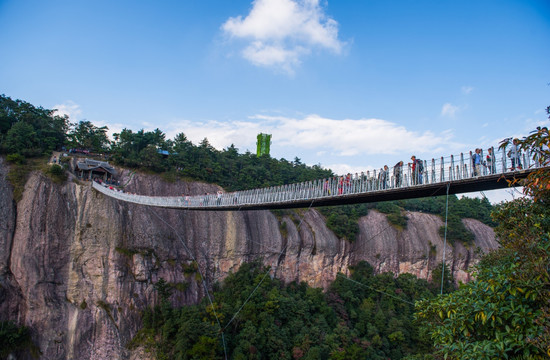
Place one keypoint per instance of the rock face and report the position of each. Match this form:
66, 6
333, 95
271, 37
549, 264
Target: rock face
77, 267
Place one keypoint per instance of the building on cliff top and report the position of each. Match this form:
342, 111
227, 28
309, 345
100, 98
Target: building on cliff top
89, 169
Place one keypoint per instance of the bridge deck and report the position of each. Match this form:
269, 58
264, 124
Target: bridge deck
301, 196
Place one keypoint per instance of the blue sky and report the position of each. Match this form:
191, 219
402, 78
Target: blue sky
350, 85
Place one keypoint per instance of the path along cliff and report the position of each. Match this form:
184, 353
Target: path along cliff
77, 267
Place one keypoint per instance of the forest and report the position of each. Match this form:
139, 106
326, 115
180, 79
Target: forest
365, 316
504, 313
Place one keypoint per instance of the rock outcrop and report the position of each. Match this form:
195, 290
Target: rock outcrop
77, 266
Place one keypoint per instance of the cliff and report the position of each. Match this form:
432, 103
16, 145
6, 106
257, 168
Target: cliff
77, 267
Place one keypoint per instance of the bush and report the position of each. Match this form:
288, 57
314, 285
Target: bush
15, 338
394, 214
57, 173
16, 159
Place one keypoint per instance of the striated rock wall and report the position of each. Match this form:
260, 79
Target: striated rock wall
77, 267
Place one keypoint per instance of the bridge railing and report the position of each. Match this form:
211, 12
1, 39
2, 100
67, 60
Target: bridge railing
444, 169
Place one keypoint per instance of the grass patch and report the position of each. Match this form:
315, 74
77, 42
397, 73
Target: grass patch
15, 338
105, 306
170, 176
394, 214
343, 220
456, 231
189, 269
19, 171
180, 286
126, 251
56, 173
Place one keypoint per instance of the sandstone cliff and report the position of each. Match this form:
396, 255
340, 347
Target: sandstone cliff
77, 266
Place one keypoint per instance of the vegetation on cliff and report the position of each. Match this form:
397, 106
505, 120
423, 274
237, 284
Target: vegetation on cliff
342, 220
15, 340
365, 316
28, 131
227, 168
505, 312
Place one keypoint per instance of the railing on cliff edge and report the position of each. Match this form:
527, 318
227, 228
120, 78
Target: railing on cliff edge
456, 172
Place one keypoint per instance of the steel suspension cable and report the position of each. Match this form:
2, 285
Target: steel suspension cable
445, 237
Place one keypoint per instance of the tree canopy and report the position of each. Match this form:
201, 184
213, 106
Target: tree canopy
28, 130
364, 316
505, 312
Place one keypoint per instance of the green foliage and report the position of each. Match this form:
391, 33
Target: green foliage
342, 220
15, 339
16, 159
19, 172
489, 318
456, 231
57, 173
448, 280
537, 144
21, 138
191, 268
85, 135
164, 289
228, 168
504, 313
28, 130
126, 251
366, 316
472, 208
394, 213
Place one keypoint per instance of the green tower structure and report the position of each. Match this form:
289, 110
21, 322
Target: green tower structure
264, 141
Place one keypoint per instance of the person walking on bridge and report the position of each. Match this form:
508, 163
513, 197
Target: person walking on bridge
398, 174
476, 160
383, 178
491, 164
417, 168
514, 154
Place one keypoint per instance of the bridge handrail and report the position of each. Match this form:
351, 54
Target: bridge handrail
435, 171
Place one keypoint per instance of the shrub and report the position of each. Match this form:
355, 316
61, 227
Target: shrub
57, 173
15, 159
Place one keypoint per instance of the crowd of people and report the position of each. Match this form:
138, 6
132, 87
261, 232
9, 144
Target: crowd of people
487, 166
111, 184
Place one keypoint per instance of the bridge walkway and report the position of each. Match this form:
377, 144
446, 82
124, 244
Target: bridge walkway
458, 173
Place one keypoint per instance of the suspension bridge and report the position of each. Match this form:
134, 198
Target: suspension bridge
446, 175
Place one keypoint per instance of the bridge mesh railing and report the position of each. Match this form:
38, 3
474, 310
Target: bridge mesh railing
442, 170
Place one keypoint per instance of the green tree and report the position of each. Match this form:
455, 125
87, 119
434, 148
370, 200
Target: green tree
45, 130
86, 135
14, 339
21, 139
504, 312
448, 280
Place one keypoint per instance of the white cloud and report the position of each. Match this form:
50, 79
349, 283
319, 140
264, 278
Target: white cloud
113, 128
498, 196
331, 137
449, 110
467, 89
69, 108
281, 32
342, 169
